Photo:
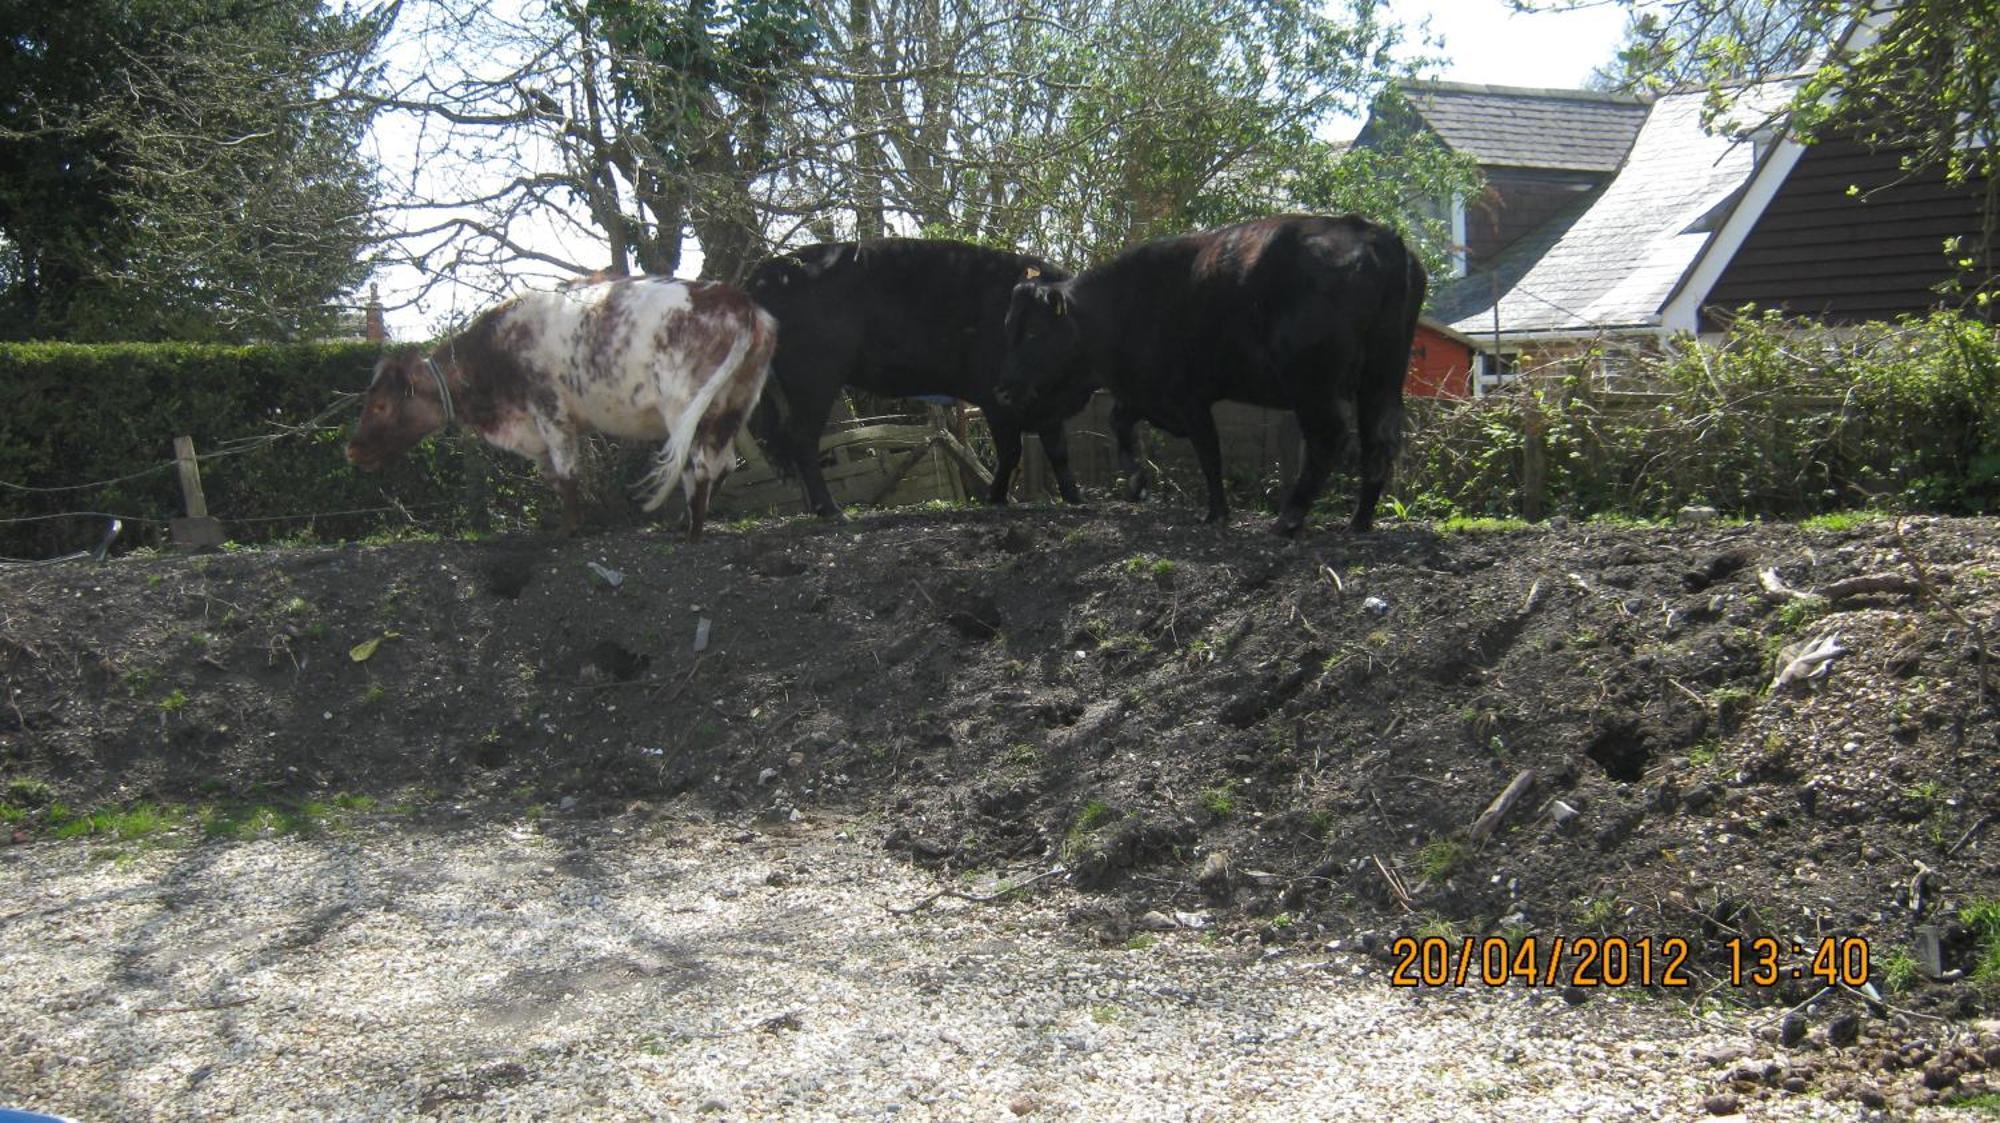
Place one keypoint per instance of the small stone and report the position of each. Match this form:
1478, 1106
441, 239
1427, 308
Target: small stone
1024, 1105
1791, 1030
1844, 1030
1214, 876
1939, 1076
1721, 1103
1723, 1054
1870, 1096
1794, 1084
1156, 921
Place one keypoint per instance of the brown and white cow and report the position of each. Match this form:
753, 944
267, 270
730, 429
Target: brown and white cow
639, 358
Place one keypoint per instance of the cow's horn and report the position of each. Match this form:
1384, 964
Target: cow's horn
1033, 273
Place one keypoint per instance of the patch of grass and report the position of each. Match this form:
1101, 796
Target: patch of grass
1795, 614
1596, 912
174, 702
1479, 524
1141, 942
247, 821
1899, 970
1147, 565
1104, 1014
1985, 1103
1730, 703
137, 823
1024, 755
1435, 926
1930, 791
1704, 753
348, 802
374, 694
1983, 917
140, 681
1834, 521
1095, 813
1320, 823
1220, 801
29, 792
1441, 857
296, 606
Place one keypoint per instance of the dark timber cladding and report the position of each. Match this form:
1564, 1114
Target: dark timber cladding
1820, 251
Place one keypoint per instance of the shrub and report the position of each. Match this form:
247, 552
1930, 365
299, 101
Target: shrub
80, 414
1783, 419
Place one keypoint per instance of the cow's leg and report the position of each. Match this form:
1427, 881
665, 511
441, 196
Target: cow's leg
1325, 432
698, 490
572, 505
557, 459
1055, 445
1208, 448
1006, 455
802, 434
1124, 428
1379, 425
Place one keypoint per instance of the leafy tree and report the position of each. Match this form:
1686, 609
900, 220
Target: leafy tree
179, 168
1692, 44
1071, 127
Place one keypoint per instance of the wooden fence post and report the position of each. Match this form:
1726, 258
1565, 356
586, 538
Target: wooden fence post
197, 530
1534, 461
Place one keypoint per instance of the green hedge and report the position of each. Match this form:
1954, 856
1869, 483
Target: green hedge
1783, 419
81, 414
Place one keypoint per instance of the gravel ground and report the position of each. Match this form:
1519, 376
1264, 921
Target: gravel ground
683, 969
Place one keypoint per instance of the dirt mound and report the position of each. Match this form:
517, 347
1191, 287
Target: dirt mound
1298, 735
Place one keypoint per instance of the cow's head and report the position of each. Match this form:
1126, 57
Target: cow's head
403, 405
1044, 342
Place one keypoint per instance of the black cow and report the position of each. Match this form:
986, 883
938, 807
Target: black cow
904, 317
1293, 312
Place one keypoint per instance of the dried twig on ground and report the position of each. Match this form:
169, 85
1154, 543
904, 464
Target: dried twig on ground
977, 899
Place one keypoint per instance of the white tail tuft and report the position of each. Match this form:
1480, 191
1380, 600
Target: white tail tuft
672, 462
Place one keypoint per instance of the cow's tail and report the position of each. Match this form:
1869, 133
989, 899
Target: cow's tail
673, 460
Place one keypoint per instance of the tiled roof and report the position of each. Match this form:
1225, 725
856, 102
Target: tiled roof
1507, 126
1611, 260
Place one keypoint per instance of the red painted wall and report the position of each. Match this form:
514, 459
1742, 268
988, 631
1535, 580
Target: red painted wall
1440, 367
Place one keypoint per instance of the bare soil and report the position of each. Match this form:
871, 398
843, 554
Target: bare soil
1290, 739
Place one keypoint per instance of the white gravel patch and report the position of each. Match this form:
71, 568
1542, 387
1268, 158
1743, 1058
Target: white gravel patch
690, 970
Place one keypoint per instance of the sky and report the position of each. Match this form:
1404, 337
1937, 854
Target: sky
1484, 41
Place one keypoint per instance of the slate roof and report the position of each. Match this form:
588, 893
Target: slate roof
1509, 126
1611, 260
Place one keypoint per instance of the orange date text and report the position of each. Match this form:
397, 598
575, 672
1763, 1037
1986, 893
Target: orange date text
1557, 961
